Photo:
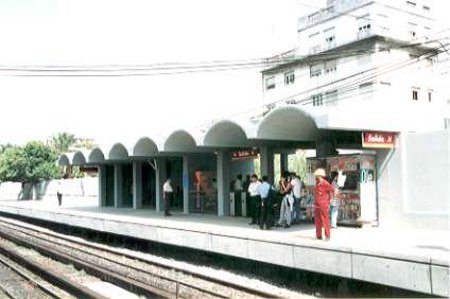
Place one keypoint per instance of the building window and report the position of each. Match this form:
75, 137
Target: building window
447, 123
430, 94
330, 67
383, 23
270, 83
364, 26
317, 99
289, 78
411, 4
331, 97
316, 70
412, 29
330, 38
426, 8
315, 44
415, 94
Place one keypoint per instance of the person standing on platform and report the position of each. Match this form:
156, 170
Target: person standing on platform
167, 195
285, 190
254, 200
265, 190
59, 192
323, 193
238, 195
297, 188
335, 201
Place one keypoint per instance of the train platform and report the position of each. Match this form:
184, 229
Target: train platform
416, 260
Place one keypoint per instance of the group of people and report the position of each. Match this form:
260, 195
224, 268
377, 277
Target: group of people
267, 202
264, 206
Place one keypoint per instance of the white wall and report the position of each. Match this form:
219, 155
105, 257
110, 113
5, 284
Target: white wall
84, 187
413, 182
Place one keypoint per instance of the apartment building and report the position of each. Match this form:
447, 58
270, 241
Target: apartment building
356, 56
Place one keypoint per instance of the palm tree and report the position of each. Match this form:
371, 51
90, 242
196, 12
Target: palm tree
61, 142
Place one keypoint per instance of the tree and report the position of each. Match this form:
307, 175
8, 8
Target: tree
61, 142
13, 165
29, 164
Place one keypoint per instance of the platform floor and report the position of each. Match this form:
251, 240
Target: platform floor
373, 254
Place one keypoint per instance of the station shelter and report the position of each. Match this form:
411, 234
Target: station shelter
202, 166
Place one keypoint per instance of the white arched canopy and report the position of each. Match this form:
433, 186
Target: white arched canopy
145, 147
118, 152
63, 160
225, 134
78, 159
288, 123
180, 141
96, 156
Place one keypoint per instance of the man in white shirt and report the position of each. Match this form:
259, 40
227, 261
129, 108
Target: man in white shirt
167, 195
297, 187
264, 190
254, 199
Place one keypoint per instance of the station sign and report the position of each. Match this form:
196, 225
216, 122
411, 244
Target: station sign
245, 154
378, 139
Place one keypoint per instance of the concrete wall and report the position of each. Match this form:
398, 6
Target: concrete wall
413, 182
84, 187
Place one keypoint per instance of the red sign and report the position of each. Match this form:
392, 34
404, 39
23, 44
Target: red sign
378, 139
245, 154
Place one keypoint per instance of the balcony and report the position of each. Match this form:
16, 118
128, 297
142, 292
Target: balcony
279, 59
337, 8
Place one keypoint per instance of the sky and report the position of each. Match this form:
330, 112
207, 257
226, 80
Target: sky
135, 32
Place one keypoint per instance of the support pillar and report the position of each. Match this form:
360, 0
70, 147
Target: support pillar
325, 146
266, 161
137, 185
223, 183
101, 185
118, 185
284, 162
159, 181
185, 184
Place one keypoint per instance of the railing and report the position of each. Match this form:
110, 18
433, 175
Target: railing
328, 12
280, 58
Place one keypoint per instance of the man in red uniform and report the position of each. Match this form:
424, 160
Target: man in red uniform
322, 197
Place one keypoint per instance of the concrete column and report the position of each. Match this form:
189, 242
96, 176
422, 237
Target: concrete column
266, 161
137, 185
223, 183
101, 185
283, 162
185, 182
118, 185
160, 178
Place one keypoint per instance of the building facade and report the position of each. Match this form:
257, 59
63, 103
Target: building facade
362, 66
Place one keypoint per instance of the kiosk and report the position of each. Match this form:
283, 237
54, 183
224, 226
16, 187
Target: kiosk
357, 186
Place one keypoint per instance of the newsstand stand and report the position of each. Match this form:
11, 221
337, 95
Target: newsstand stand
357, 186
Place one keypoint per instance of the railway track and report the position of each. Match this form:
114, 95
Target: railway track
138, 275
22, 278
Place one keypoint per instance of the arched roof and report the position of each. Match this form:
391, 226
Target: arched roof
63, 160
288, 123
225, 133
78, 159
180, 141
118, 152
96, 156
145, 147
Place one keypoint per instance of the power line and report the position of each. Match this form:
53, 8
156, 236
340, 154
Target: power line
349, 86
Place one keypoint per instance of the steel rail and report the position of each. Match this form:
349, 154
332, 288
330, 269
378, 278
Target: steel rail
54, 277
232, 285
